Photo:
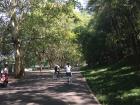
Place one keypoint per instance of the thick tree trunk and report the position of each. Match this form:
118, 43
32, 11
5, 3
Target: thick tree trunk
19, 63
14, 25
133, 34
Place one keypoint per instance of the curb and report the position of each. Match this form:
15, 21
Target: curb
91, 92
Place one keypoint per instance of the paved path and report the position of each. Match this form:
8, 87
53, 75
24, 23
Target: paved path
40, 89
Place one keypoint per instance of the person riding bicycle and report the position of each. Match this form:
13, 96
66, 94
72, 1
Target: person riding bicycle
57, 70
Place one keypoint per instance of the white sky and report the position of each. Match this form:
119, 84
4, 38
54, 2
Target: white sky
83, 2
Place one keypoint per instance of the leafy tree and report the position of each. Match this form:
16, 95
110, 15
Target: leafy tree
50, 30
113, 31
37, 31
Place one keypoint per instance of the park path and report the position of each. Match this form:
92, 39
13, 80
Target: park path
40, 89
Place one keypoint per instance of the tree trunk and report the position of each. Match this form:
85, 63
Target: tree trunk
134, 33
19, 62
14, 23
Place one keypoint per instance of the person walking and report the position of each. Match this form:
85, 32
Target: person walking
68, 72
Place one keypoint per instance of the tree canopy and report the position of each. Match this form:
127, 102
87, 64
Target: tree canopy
37, 32
113, 31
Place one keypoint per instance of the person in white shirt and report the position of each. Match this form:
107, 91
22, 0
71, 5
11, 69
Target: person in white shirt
68, 70
4, 75
5, 69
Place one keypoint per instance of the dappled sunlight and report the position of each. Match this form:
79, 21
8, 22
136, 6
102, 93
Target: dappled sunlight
41, 89
125, 67
123, 75
102, 97
115, 86
99, 71
131, 93
31, 103
73, 97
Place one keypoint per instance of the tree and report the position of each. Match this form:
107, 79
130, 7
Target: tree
14, 12
50, 27
115, 25
37, 29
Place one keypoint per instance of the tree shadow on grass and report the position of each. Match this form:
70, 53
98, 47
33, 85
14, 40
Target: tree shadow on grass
114, 86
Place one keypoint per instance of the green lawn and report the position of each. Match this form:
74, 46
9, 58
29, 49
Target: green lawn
114, 85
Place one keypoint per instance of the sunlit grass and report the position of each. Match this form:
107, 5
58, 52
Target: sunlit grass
131, 93
114, 85
98, 71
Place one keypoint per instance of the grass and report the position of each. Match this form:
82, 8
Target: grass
114, 85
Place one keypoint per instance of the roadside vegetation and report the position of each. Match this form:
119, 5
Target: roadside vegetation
105, 36
115, 84
111, 47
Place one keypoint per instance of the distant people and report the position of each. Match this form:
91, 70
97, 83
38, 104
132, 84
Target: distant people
5, 69
4, 75
68, 70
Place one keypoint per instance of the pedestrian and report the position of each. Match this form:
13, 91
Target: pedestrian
68, 70
5, 69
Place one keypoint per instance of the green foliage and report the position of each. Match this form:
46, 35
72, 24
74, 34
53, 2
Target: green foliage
6, 45
47, 33
112, 33
114, 85
112, 37
44, 28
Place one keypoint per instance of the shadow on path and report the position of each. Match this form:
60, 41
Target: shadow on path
40, 89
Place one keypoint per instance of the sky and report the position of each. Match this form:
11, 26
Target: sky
83, 2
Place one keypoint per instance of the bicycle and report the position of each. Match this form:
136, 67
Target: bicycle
69, 77
56, 75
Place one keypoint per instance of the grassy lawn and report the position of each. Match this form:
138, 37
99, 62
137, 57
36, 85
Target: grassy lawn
114, 85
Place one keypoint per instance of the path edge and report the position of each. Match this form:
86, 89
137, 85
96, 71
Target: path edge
89, 89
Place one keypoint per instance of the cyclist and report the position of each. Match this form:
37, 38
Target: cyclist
57, 70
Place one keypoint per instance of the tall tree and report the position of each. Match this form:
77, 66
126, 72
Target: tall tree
115, 24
